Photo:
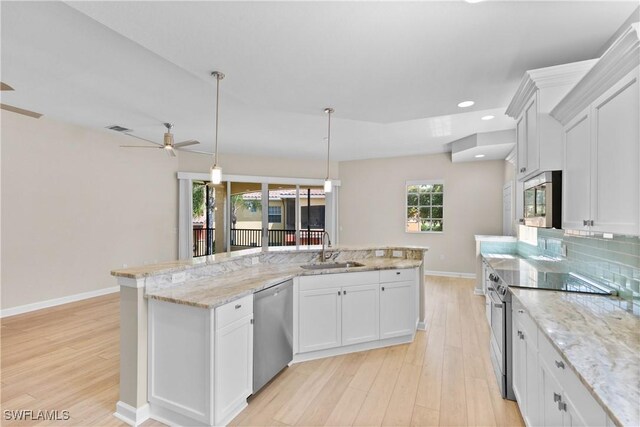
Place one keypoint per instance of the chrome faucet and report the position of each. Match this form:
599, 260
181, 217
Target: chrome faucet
323, 255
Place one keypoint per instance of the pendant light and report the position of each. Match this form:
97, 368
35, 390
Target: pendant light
327, 181
216, 171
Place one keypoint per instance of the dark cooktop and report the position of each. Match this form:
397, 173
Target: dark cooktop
565, 282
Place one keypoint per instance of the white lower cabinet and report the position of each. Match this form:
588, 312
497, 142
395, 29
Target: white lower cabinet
360, 314
200, 361
548, 392
396, 316
338, 310
320, 324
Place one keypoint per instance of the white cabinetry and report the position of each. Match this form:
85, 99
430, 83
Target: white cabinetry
233, 357
320, 324
348, 309
547, 391
539, 136
525, 364
601, 119
200, 361
360, 314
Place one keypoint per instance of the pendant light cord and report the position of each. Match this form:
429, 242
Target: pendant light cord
328, 111
215, 160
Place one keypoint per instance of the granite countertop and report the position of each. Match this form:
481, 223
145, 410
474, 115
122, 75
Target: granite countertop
181, 265
599, 339
219, 290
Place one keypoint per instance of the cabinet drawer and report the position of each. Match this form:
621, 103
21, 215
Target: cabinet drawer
526, 323
329, 280
233, 311
404, 275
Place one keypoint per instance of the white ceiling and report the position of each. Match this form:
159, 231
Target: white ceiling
394, 71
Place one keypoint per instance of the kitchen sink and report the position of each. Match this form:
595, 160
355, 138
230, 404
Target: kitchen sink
328, 265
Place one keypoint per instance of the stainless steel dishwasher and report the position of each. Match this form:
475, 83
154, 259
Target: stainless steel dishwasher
272, 332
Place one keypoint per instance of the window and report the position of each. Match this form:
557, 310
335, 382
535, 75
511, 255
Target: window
275, 214
425, 204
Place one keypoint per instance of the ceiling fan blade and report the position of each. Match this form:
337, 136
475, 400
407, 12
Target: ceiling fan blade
4, 86
170, 152
20, 111
138, 146
186, 143
144, 139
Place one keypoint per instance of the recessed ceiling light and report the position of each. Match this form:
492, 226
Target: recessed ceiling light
488, 117
465, 104
479, 156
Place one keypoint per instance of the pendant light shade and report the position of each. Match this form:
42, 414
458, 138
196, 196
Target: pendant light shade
327, 182
216, 175
216, 171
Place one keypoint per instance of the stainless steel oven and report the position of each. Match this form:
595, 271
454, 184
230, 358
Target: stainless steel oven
543, 200
500, 342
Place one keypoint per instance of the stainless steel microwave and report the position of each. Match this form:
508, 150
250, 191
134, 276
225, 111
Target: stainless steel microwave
543, 200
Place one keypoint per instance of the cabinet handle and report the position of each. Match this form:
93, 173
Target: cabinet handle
238, 306
397, 272
559, 364
339, 293
252, 321
585, 222
562, 406
344, 292
557, 397
521, 311
383, 288
591, 223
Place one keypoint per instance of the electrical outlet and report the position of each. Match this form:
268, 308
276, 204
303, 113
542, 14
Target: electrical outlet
398, 254
125, 265
379, 253
179, 277
607, 236
255, 260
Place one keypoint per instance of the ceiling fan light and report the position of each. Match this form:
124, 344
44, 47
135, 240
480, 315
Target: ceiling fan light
216, 175
327, 186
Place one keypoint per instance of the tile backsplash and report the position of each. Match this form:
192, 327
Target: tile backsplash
613, 259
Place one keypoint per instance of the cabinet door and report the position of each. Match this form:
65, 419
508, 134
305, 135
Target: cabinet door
360, 314
519, 362
521, 145
533, 143
397, 302
615, 156
319, 319
576, 185
532, 381
233, 367
550, 393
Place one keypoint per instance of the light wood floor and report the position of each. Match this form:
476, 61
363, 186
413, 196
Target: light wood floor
66, 358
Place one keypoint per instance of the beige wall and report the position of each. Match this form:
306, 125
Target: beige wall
75, 206
241, 164
372, 205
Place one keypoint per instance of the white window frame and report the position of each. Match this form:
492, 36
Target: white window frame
186, 225
406, 203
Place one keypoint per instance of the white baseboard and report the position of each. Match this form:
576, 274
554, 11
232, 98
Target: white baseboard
450, 274
422, 326
337, 351
57, 301
130, 415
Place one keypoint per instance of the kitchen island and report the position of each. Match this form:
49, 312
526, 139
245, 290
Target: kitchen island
187, 326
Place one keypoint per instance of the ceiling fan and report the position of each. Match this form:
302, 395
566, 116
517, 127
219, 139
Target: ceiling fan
3, 87
168, 143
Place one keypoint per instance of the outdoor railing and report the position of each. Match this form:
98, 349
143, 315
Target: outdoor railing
204, 238
204, 241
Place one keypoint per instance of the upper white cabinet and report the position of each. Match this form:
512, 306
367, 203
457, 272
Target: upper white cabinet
539, 136
601, 134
